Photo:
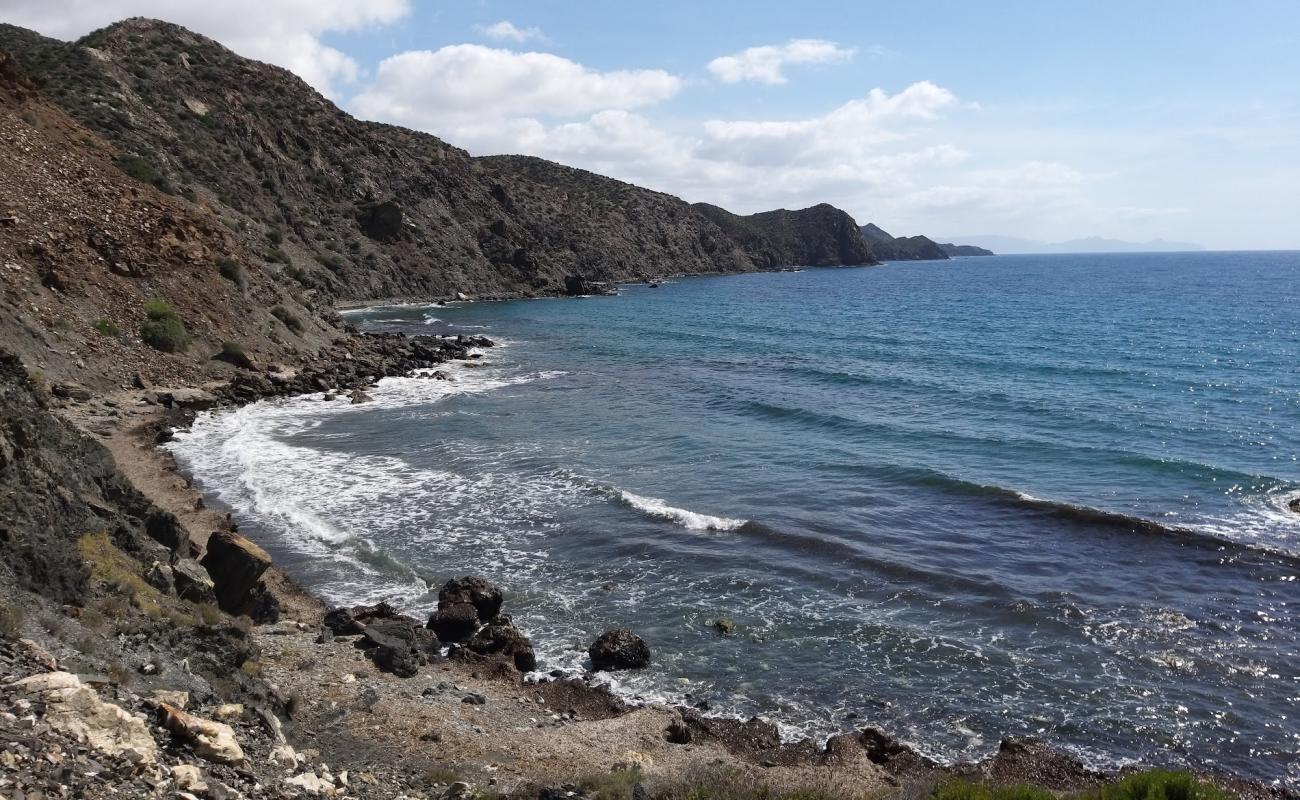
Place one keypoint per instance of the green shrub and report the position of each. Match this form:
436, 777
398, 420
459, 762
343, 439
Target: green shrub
287, 317
1159, 784
140, 169
232, 349
617, 784
331, 262
278, 256
164, 330
275, 236
231, 271
965, 790
105, 326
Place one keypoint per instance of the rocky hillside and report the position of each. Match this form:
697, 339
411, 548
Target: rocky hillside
901, 248
359, 210
821, 236
95, 264
955, 250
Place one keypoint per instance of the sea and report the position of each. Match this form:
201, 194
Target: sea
1005, 496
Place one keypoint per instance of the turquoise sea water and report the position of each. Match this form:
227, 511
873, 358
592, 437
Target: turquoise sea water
1030, 495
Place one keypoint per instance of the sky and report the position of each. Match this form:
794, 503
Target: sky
1045, 120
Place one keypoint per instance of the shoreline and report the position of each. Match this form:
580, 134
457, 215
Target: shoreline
752, 745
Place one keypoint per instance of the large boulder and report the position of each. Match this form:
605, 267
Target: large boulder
456, 622
74, 708
505, 640
163, 527
580, 285
399, 646
193, 582
235, 565
619, 649
214, 741
483, 596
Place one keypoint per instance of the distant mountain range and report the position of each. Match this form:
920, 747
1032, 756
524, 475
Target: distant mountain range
1090, 244
886, 247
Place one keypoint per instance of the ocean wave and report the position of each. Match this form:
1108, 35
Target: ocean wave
1218, 536
691, 520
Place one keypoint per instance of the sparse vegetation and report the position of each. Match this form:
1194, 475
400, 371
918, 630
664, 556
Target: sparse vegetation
231, 271
140, 169
288, 318
11, 620
164, 330
232, 349
965, 790
105, 327
1159, 784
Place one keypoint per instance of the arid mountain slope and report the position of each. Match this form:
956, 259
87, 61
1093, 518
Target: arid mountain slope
85, 249
361, 210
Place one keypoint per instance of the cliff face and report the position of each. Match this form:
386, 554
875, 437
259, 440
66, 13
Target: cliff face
955, 250
358, 210
901, 248
816, 237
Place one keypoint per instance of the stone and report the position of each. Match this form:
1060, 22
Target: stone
189, 778
188, 398
392, 647
723, 626
214, 741
227, 712
486, 598
678, 732
236, 564
358, 397
172, 697
455, 623
164, 528
159, 577
619, 649
506, 640
193, 582
312, 783
73, 708
340, 622
71, 391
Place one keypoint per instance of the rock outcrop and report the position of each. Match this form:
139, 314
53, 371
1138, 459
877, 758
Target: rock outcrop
74, 708
619, 649
235, 565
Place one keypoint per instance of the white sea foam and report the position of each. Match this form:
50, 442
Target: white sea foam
654, 507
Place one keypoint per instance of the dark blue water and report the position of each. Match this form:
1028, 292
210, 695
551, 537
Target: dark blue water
1014, 495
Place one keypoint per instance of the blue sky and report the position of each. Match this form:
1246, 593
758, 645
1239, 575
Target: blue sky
1046, 120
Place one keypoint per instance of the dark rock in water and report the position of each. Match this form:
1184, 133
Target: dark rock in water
880, 746
579, 285
619, 649
483, 596
1294, 505
381, 221
340, 622
193, 582
359, 397
505, 639
456, 622
235, 564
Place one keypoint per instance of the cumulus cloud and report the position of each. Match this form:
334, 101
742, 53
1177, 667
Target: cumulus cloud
764, 64
507, 31
438, 90
283, 32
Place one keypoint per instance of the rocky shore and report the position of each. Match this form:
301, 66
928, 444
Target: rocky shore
182, 663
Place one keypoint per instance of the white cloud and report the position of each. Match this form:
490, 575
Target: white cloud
437, 90
764, 64
283, 32
507, 31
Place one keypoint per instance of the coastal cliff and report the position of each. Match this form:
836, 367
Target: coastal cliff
357, 210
